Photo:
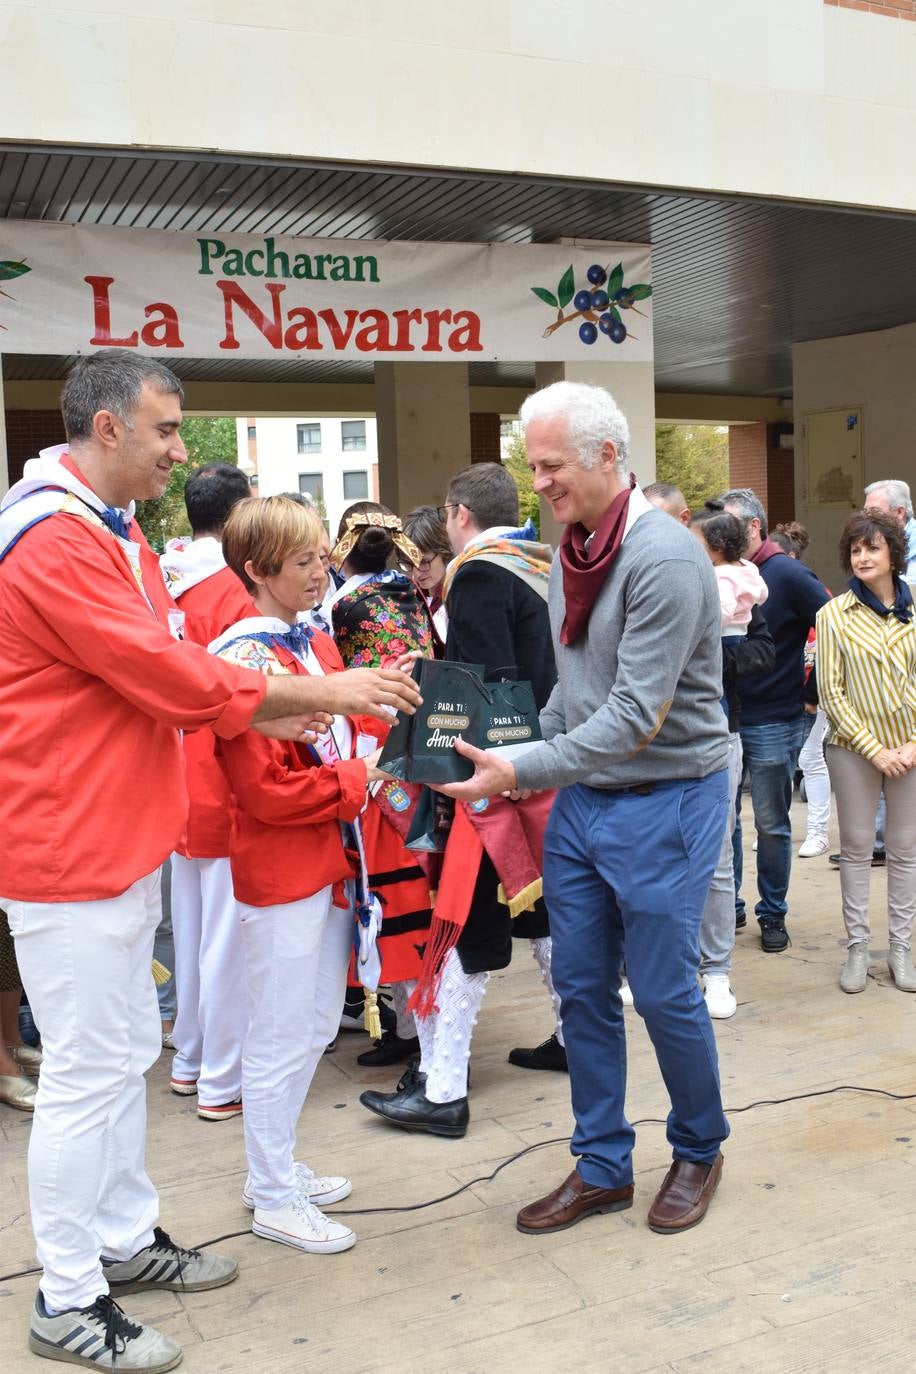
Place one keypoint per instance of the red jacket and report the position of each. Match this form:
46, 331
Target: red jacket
93, 692
286, 840
210, 607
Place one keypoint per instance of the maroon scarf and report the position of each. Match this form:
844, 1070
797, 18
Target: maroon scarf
584, 572
767, 550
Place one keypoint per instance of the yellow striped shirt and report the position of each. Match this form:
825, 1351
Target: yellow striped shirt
866, 676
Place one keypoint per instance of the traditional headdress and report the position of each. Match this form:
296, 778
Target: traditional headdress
365, 520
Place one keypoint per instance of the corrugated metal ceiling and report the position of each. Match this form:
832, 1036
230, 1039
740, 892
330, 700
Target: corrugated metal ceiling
736, 281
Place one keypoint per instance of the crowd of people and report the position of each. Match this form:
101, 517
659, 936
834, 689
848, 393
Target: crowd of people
223, 711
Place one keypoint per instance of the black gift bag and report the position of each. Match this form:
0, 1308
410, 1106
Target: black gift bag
420, 748
511, 722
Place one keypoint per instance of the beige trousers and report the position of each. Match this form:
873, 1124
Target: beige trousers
857, 787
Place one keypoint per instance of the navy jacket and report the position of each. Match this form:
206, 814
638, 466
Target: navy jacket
795, 597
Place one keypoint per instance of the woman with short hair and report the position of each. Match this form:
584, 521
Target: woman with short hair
866, 673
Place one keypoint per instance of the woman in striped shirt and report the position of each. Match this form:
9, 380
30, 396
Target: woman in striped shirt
866, 674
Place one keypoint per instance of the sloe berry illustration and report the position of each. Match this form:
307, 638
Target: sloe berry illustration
594, 309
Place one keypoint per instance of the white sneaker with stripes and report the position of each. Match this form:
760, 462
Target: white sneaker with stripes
100, 1337
318, 1188
167, 1265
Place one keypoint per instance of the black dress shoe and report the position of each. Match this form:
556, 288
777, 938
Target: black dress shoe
740, 920
550, 1055
412, 1110
391, 1049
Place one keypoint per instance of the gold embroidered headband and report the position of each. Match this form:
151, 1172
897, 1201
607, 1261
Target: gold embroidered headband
366, 520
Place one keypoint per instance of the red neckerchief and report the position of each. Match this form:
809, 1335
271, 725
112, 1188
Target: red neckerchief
584, 573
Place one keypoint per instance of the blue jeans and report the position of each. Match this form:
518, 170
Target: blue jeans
770, 759
625, 878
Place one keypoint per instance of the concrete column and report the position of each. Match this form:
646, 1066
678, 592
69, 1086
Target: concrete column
633, 387
424, 430
4, 465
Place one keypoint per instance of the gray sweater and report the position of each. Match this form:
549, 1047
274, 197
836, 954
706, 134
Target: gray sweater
638, 696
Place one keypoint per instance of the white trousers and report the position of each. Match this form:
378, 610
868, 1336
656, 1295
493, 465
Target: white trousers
445, 1036
296, 959
813, 764
86, 967
210, 978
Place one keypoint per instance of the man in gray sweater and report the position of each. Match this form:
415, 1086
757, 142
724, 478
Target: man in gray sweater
636, 741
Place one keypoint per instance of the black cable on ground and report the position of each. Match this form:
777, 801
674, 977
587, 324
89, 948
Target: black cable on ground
520, 1154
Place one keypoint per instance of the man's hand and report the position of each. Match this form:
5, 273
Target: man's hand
371, 692
302, 729
492, 776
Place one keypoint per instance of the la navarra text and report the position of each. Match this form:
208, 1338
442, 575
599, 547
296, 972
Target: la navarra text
294, 328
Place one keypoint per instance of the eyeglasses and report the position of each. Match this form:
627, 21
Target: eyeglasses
425, 564
442, 511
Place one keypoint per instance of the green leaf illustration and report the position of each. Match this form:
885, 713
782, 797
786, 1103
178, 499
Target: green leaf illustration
615, 314
9, 270
546, 296
640, 292
567, 288
615, 280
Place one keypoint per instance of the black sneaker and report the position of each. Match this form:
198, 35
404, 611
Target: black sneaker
774, 937
740, 920
550, 1055
100, 1337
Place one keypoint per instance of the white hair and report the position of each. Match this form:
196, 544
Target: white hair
592, 416
897, 492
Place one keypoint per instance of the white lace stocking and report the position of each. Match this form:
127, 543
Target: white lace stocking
400, 993
543, 950
445, 1037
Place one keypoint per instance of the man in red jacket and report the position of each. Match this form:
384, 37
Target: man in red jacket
209, 967
94, 689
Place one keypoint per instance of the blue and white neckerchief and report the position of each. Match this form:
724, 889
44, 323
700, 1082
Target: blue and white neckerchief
114, 519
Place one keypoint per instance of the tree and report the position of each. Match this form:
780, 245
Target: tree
694, 458
516, 462
208, 439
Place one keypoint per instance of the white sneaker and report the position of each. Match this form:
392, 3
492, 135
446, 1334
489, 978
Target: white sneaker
812, 846
721, 1002
301, 1225
626, 995
318, 1188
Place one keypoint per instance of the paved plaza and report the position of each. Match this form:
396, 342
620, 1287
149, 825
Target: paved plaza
803, 1264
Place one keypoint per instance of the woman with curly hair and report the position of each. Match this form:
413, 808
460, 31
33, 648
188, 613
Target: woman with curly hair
866, 670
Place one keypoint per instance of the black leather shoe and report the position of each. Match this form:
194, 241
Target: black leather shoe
550, 1055
412, 1111
391, 1049
740, 920
774, 937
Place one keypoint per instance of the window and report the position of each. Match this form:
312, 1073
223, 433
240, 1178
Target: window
352, 435
356, 486
308, 438
311, 484
252, 432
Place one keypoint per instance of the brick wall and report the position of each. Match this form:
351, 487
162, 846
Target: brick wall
485, 437
756, 460
27, 431
893, 9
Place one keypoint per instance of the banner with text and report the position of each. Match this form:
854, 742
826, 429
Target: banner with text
73, 288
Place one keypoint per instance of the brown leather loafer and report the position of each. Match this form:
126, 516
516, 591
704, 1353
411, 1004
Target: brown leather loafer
683, 1199
573, 1200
